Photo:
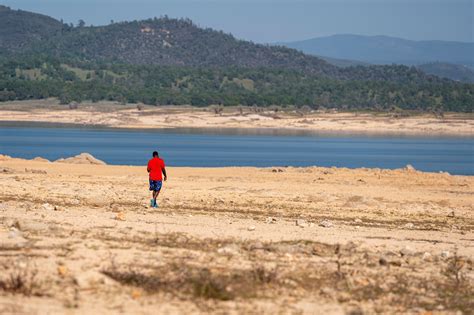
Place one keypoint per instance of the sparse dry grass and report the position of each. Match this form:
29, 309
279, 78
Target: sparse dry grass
16, 279
198, 282
352, 274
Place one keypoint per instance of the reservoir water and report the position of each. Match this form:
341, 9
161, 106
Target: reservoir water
181, 147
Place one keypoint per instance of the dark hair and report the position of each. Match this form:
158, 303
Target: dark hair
155, 153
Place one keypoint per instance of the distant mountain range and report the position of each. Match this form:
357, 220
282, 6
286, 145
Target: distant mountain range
454, 60
387, 50
173, 61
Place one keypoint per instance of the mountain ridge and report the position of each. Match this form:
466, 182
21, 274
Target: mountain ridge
179, 42
382, 49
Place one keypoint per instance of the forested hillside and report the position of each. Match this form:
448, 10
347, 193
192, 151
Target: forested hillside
19, 29
36, 78
169, 61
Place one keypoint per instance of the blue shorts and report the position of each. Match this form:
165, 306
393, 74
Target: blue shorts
155, 185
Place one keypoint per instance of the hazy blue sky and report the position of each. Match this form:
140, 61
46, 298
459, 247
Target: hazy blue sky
281, 20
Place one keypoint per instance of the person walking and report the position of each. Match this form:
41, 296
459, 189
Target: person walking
156, 169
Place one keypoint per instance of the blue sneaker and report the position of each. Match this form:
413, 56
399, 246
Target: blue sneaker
152, 203
156, 205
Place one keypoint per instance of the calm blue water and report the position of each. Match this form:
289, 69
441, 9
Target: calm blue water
182, 148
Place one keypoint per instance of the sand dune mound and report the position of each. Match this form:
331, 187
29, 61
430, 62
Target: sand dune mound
83, 158
40, 159
5, 157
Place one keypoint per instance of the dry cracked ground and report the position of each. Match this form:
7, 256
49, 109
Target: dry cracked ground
82, 239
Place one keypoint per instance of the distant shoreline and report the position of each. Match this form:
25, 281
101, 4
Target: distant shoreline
234, 120
232, 131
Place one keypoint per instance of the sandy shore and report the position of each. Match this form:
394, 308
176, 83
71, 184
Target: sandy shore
81, 239
128, 116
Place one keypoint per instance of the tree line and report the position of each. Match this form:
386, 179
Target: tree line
74, 79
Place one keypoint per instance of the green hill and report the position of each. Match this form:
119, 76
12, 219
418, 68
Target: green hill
174, 42
172, 61
19, 29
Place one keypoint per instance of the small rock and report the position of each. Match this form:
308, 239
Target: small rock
257, 245
136, 294
451, 214
12, 223
32, 226
409, 226
90, 279
47, 206
270, 220
358, 221
62, 271
14, 238
229, 250
426, 256
251, 228
6, 170
384, 261
445, 254
120, 216
407, 251
326, 224
409, 168
14, 233
327, 291
301, 223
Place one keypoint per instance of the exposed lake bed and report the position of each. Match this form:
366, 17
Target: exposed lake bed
288, 240
111, 114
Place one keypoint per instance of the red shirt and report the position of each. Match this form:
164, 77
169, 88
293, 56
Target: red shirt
155, 167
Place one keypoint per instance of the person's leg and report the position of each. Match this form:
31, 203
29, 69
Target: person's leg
152, 201
152, 189
157, 191
155, 196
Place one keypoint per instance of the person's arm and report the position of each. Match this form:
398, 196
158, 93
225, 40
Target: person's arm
148, 167
164, 173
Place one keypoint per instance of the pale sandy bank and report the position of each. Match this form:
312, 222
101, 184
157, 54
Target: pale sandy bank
129, 116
